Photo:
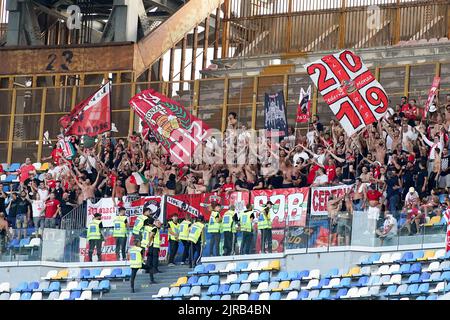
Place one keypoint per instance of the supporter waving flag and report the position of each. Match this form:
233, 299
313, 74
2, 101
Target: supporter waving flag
356, 98
176, 129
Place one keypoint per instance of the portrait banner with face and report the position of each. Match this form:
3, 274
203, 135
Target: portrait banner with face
275, 121
356, 98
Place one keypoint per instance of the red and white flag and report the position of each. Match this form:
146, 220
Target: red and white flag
356, 98
92, 116
176, 129
304, 106
432, 94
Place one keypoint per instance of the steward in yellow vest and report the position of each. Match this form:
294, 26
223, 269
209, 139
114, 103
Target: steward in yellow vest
214, 226
265, 225
139, 222
135, 261
153, 250
185, 227
174, 233
229, 222
246, 226
95, 237
120, 233
196, 239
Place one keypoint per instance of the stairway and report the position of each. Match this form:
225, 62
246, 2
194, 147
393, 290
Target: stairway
145, 290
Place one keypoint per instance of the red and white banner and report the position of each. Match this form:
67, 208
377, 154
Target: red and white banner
304, 106
92, 116
198, 204
277, 241
432, 94
135, 207
106, 208
289, 205
176, 129
320, 196
356, 98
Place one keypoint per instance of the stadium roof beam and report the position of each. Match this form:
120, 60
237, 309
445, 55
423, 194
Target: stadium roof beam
23, 25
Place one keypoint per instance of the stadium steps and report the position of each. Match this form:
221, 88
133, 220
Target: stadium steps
145, 290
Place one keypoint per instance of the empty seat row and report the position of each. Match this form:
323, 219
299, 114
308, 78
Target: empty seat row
76, 273
66, 295
55, 286
408, 256
239, 267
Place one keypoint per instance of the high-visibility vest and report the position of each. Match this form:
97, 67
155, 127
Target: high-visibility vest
93, 230
139, 223
246, 221
157, 240
213, 225
146, 236
263, 221
184, 230
135, 258
227, 221
175, 227
196, 231
120, 228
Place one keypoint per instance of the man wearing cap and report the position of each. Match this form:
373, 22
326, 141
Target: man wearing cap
95, 237
265, 225
411, 198
120, 233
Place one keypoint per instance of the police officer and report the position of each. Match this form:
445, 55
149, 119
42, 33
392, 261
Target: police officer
185, 226
120, 233
246, 226
265, 225
229, 222
153, 250
139, 222
214, 231
174, 231
94, 236
196, 239
135, 261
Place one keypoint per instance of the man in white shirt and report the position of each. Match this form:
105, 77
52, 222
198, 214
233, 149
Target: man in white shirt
412, 197
38, 208
389, 228
321, 178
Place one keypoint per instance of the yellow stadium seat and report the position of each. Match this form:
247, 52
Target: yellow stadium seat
44, 166
282, 286
429, 254
62, 274
273, 265
434, 220
180, 281
353, 271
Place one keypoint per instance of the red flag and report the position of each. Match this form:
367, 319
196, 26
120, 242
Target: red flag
92, 116
432, 94
304, 106
176, 129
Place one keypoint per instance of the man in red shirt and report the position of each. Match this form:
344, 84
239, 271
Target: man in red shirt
52, 210
410, 110
228, 186
373, 195
27, 170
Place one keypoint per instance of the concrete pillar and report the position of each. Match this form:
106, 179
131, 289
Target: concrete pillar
125, 20
14, 22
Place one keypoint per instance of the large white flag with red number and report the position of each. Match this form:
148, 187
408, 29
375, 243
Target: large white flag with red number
356, 98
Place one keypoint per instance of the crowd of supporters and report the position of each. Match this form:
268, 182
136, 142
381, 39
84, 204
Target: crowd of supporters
399, 166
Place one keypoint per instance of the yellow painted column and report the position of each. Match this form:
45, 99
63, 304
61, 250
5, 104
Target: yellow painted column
196, 97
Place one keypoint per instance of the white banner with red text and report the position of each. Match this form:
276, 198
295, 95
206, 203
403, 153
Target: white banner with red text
320, 196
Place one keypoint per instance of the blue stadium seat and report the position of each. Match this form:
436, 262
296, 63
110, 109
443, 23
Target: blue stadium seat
75, 295
241, 266
191, 282
14, 244
293, 275
115, 273
241, 277
424, 288
435, 276
213, 280
340, 293
254, 296
361, 282
445, 276
25, 296
412, 289
416, 268
22, 287
332, 273
94, 273
302, 295
33, 286
324, 294
183, 291
404, 269
416, 255
374, 257
43, 285
126, 273
54, 286
445, 265
446, 257
245, 288
221, 290
203, 281
82, 285
234, 288
84, 273
413, 278
10, 178
212, 289
215, 298
13, 167
408, 255
345, 282
198, 270
390, 290
302, 274
263, 277
424, 277
373, 280
24, 242
281, 276
104, 286
94, 286
210, 268
205, 297
432, 297
275, 296
322, 282
420, 298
